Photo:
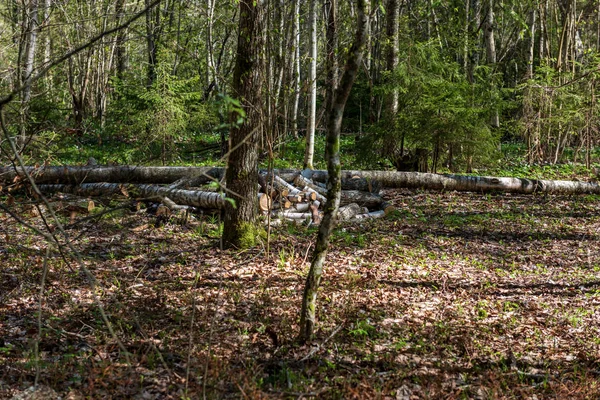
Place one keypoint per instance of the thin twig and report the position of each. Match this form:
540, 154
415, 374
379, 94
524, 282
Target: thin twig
320, 346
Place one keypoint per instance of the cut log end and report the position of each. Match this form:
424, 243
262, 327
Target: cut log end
264, 202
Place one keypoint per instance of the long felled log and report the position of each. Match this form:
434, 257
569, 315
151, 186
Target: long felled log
419, 180
211, 200
116, 174
354, 180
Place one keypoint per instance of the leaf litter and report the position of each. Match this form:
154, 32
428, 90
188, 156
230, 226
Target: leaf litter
452, 296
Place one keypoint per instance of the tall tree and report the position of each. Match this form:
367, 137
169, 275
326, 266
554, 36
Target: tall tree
152, 27
296, 66
120, 40
334, 181
531, 47
490, 47
28, 63
392, 32
242, 163
211, 77
312, 79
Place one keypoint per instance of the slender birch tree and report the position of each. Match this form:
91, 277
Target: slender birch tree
296, 66
312, 79
332, 155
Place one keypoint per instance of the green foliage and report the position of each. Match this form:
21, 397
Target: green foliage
230, 110
439, 110
162, 119
362, 329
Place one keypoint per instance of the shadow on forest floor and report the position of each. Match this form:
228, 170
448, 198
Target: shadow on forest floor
454, 296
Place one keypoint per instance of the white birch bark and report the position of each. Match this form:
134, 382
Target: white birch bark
530, 55
296, 67
312, 78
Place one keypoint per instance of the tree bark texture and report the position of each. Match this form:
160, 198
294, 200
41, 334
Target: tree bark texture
334, 182
242, 163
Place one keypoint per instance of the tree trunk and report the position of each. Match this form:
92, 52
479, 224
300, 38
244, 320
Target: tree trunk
152, 23
120, 40
116, 174
78, 80
331, 8
242, 163
474, 32
490, 47
332, 155
210, 59
312, 78
32, 30
531, 49
392, 32
28, 62
482, 184
296, 68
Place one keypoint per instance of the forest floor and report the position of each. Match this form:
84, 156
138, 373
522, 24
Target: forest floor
453, 296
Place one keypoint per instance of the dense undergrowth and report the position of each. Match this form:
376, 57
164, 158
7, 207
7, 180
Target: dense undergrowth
205, 150
453, 296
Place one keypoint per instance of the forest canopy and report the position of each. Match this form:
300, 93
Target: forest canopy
445, 81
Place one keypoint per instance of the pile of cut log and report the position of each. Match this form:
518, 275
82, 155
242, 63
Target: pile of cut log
303, 199
293, 196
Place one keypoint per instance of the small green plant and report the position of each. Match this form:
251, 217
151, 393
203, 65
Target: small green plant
400, 344
481, 309
509, 306
362, 329
285, 257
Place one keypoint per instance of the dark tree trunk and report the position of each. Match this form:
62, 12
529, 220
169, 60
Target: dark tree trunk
242, 165
334, 182
392, 31
152, 24
121, 37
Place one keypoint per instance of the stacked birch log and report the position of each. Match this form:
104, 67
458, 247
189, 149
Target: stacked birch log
302, 200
